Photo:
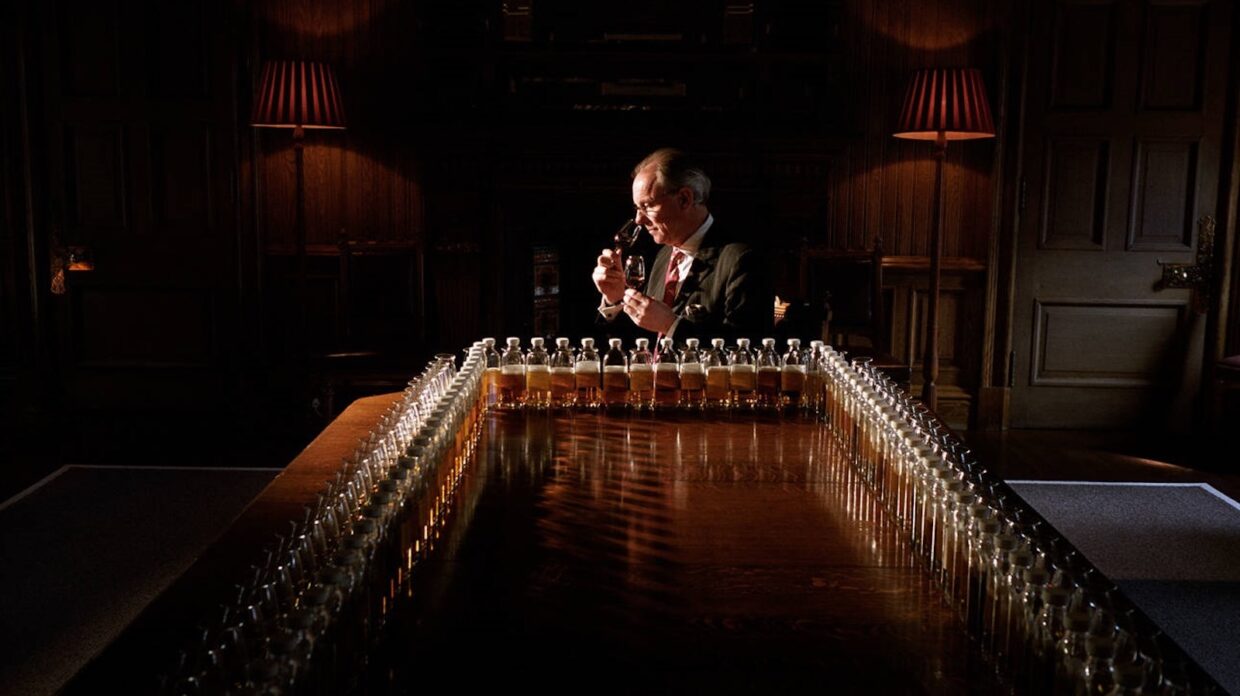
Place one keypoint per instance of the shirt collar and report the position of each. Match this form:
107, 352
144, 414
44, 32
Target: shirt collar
691, 245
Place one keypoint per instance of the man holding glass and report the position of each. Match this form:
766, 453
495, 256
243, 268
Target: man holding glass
703, 282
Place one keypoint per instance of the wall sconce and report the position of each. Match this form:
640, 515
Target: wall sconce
942, 104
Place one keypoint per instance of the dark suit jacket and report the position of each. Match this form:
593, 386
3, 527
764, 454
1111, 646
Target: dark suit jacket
726, 295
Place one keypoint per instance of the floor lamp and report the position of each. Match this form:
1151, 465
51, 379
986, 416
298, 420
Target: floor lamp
942, 104
298, 94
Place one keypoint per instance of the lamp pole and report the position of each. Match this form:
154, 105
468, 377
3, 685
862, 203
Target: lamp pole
930, 361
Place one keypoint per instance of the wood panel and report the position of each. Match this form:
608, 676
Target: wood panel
1172, 72
1104, 343
182, 186
1164, 189
1074, 191
1083, 55
97, 176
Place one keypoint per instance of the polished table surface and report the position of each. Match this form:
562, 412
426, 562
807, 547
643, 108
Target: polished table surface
593, 552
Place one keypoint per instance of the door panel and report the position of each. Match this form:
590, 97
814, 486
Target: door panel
1124, 118
140, 120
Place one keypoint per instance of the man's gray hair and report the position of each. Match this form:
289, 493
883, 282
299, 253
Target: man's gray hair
672, 170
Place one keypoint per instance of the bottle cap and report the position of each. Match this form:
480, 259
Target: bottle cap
613, 342
561, 342
643, 343
768, 343
794, 343
692, 343
815, 344
488, 342
513, 341
716, 342
536, 342
666, 343
742, 342
587, 343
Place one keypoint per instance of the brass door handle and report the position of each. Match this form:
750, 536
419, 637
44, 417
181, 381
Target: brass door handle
1197, 276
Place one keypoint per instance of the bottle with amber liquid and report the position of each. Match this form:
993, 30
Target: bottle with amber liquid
615, 374
742, 375
490, 372
511, 375
563, 381
717, 374
537, 374
812, 397
769, 365
587, 374
641, 376
792, 374
692, 375
666, 375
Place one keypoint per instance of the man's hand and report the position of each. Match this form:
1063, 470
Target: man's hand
609, 276
648, 313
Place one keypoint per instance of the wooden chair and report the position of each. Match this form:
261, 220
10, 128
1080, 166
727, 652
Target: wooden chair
845, 289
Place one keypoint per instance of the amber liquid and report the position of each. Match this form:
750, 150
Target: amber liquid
615, 385
588, 381
666, 384
744, 382
768, 386
692, 384
490, 385
791, 384
563, 386
537, 385
717, 382
511, 384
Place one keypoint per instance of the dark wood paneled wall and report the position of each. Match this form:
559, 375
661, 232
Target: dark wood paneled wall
445, 152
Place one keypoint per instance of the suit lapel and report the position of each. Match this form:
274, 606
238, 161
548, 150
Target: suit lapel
703, 265
658, 273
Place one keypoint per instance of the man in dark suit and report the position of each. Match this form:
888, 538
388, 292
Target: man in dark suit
704, 282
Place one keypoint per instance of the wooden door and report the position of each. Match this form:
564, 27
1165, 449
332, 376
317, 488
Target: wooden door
139, 125
1124, 112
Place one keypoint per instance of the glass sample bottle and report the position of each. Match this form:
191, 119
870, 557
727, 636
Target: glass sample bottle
641, 375
742, 375
563, 381
537, 374
792, 374
717, 375
587, 374
692, 375
813, 397
511, 375
615, 374
666, 375
769, 365
490, 372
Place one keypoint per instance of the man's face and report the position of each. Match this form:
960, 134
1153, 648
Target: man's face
662, 213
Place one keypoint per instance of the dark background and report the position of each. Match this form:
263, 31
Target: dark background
479, 134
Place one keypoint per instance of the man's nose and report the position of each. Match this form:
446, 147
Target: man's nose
641, 218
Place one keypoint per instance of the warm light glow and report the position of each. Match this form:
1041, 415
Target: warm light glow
947, 103
297, 94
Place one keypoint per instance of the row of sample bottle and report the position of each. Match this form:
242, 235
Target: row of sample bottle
717, 376
1044, 618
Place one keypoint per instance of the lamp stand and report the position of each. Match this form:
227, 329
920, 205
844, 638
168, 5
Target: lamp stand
299, 230
930, 363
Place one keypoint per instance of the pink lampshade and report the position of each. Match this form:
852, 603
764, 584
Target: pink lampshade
296, 93
950, 101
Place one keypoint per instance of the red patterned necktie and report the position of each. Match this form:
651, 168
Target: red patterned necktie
671, 285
